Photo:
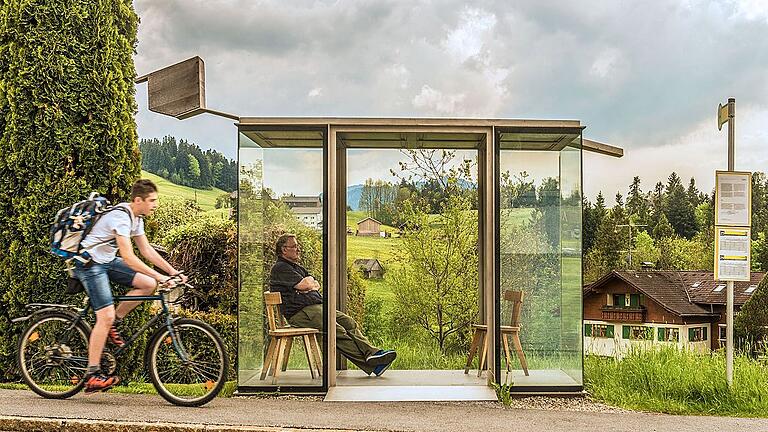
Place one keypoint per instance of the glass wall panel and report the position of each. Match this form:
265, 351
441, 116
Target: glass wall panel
281, 191
540, 247
571, 257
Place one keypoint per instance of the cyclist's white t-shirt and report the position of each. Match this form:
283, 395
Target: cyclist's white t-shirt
114, 223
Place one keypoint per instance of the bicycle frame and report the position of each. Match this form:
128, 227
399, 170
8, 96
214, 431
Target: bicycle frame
82, 315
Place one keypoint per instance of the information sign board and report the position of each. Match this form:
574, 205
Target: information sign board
732, 257
733, 198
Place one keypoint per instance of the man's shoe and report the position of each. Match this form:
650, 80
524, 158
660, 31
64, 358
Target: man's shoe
380, 369
381, 357
115, 337
99, 382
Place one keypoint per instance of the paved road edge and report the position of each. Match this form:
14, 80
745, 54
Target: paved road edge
42, 424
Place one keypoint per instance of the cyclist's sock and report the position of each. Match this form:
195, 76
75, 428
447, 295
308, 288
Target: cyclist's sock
93, 370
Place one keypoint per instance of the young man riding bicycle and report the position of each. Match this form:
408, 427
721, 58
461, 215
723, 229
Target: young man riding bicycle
111, 234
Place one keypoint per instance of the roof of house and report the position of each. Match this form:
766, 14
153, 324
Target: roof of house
361, 221
675, 291
367, 263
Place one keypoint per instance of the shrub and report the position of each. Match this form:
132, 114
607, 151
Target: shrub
226, 325
356, 290
751, 323
172, 212
66, 128
207, 249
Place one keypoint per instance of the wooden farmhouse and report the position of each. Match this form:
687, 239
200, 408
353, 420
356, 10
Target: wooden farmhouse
628, 308
369, 227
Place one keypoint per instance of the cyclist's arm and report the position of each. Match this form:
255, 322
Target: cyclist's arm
147, 251
132, 261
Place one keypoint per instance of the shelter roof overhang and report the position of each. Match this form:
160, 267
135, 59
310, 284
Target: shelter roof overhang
369, 132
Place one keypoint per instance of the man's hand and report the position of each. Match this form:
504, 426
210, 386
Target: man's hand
165, 281
181, 275
307, 284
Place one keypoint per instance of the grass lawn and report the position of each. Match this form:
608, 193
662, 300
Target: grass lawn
206, 199
679, 382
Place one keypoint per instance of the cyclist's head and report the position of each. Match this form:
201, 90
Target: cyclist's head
144, 197
287, 247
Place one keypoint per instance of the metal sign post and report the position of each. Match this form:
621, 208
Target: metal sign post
733, 214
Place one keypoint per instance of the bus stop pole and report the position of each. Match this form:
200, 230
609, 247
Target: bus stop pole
729, 289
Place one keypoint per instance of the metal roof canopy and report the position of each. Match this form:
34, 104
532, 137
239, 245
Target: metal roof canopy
366, 132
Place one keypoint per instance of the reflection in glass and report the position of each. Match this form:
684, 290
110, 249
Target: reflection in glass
540, 255
280, 191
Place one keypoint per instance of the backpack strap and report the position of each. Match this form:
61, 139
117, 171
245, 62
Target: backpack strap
90, 228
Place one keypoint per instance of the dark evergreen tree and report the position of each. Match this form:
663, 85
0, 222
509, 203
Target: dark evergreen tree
759, 203
589, 225
637, 204
693, 194
678, 209
66, 128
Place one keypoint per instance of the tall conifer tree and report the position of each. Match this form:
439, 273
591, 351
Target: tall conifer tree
66, 128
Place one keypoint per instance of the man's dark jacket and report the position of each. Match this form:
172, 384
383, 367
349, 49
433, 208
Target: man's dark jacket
283, 278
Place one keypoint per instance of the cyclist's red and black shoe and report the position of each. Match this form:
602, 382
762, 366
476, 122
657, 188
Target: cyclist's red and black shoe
115, 337
99, 382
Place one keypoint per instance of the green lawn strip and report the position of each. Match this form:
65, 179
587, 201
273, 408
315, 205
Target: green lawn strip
141, 388
679, 382
206, 199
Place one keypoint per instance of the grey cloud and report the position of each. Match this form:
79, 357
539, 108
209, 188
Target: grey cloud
637, 73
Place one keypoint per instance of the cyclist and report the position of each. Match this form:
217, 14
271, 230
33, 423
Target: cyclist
111, 234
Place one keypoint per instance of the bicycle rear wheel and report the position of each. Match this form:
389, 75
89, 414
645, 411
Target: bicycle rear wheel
53, 355
196, 379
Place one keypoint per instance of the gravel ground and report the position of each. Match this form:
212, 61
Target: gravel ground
579, 404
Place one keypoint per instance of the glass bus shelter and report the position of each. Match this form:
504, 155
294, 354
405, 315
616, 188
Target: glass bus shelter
528, 179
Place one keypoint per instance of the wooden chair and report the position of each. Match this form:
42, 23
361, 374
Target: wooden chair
281, 336
480, 342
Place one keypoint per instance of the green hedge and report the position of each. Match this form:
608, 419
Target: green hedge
226, 325
66, 127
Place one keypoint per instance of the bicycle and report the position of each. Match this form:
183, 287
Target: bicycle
186, 358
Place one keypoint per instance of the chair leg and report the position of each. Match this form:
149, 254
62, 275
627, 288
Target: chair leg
268, 358
483, 353
318, 356
279, 361
506, 351
310, 362
520, 353
288, 346
472, 350
273, 359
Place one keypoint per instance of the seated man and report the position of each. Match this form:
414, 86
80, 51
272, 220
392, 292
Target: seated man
303, 307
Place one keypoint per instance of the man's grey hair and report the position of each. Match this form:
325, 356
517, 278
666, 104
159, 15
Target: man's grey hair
281, 241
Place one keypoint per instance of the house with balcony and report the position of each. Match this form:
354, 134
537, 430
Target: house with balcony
626, 309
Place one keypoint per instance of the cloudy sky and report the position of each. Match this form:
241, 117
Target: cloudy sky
643, 75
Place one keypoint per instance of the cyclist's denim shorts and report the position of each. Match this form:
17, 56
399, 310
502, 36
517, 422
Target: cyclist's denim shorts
96, 277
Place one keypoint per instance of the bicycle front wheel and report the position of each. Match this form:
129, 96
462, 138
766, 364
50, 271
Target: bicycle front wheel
190, 367
53, 355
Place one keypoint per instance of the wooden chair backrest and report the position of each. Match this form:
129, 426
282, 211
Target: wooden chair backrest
516, 297
274, 318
